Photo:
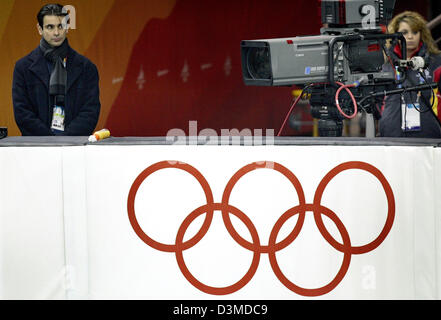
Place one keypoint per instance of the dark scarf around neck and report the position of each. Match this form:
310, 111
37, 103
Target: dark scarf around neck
58, 78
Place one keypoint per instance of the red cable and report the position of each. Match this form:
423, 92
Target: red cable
342, 86
289, 113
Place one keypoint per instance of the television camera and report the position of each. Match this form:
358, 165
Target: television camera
341, 69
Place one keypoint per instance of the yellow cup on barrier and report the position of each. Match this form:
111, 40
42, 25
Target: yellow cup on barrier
99, 135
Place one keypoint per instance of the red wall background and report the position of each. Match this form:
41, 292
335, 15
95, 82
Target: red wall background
192, 68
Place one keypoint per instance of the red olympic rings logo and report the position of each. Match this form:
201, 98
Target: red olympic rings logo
226, 209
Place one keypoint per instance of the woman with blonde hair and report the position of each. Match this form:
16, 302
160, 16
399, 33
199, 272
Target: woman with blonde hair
411, 114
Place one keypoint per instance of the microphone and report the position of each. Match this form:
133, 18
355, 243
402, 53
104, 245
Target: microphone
414, 63
417, 63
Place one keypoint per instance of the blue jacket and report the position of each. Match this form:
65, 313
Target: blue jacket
31, 100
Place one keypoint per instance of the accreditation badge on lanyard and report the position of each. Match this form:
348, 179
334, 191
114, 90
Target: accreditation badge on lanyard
58, 113
411, 114
58, 118
410, 117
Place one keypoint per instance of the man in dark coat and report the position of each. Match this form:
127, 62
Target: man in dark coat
55, 90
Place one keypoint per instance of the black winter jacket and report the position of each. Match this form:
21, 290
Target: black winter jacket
31, 100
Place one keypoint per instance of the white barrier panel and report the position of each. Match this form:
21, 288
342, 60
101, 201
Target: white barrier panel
171, 250
220, 222
32, 256
437, 219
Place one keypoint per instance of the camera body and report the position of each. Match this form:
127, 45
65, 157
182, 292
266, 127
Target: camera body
309, 59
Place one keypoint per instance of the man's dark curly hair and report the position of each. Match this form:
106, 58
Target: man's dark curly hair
50, 10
